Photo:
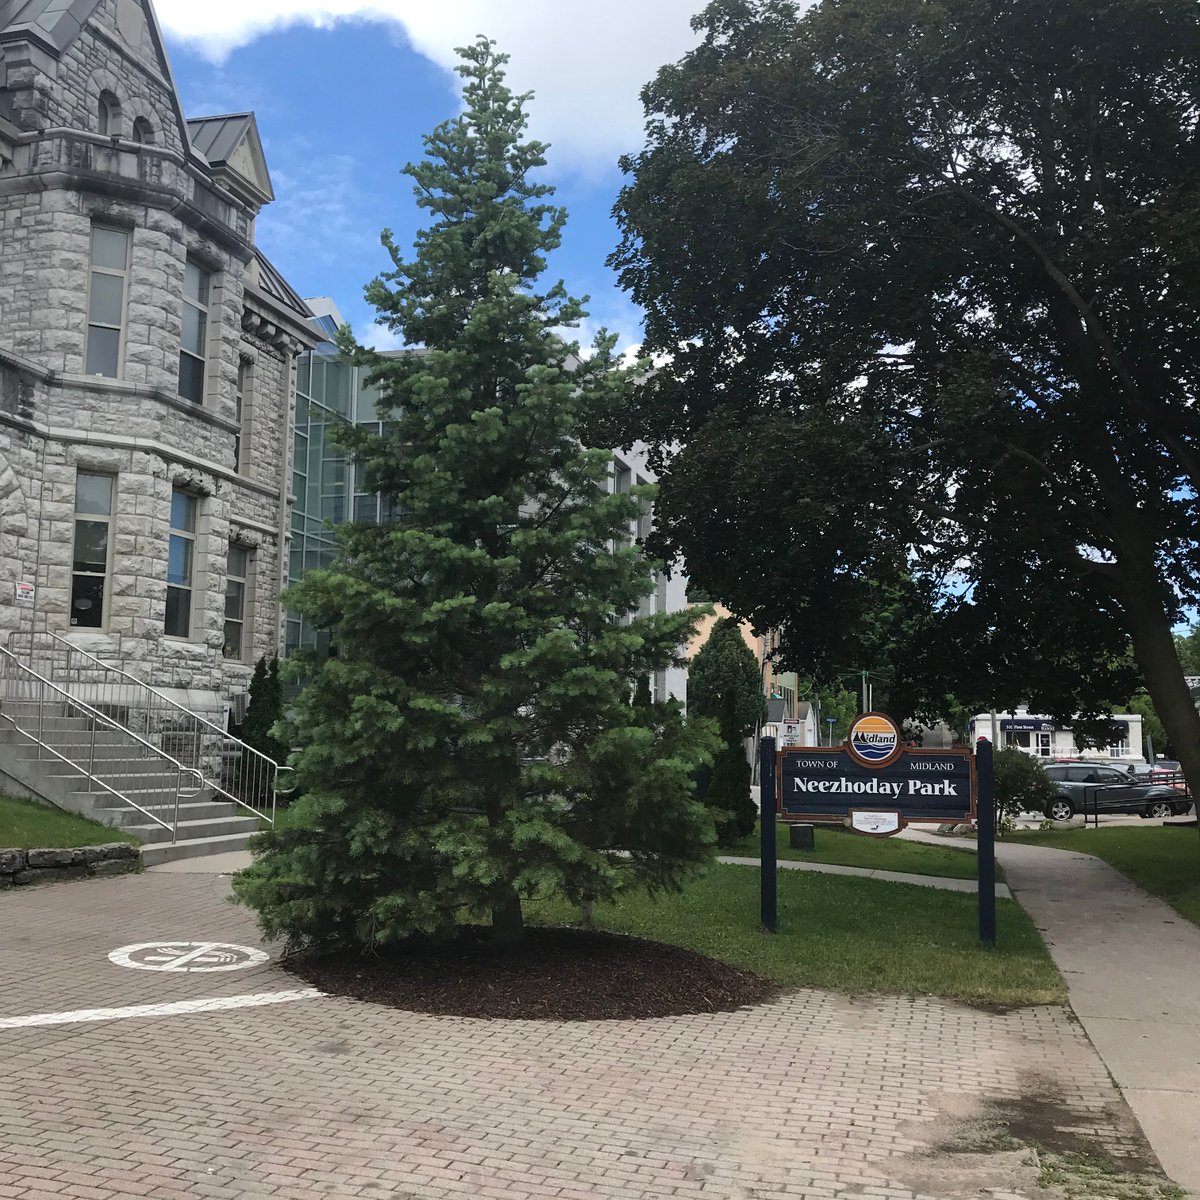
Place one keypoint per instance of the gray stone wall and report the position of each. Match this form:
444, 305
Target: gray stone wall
21, 867
56, 421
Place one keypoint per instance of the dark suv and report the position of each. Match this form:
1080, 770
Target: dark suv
1111, 790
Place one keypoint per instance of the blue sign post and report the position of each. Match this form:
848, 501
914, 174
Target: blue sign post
767, 798
985, 824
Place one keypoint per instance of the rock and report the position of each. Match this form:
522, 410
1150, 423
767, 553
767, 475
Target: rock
11, 860
54, 858
115, 866
108, 852
50, 874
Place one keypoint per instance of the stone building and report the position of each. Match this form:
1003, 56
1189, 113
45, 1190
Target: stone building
147, 359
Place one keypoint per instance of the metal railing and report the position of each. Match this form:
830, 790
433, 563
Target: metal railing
233, 770
70, 731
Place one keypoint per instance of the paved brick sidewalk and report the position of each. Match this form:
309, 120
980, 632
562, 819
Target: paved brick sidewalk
814, 1096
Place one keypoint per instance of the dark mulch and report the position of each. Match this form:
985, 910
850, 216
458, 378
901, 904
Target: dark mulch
557, 975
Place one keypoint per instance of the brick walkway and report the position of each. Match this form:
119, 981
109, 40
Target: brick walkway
816, 1095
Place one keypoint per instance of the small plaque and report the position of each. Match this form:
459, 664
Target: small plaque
882, 824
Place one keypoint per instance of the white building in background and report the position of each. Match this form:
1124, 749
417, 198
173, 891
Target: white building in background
329, 490
1042, 737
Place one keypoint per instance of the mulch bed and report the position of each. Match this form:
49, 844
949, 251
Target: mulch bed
557, 975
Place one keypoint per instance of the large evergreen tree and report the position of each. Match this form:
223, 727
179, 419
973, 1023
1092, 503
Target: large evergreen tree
725, 683
472, 743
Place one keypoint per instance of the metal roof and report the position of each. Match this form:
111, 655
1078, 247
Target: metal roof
54, 23
218, 137
278, 288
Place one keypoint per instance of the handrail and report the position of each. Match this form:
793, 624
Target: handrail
263, 776
98, 717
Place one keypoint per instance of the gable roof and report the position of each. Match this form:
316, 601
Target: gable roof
53, 23
232, 147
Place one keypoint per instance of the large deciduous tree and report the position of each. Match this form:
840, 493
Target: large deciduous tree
928, 277
472, 743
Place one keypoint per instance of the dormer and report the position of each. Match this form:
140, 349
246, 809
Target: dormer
232, 148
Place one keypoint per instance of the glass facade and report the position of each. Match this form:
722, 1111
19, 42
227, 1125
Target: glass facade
329, 490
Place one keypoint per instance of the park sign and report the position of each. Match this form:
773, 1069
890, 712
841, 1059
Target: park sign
876, 784
875, 772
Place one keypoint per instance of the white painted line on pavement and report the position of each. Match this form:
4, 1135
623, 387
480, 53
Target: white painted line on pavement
217, 1004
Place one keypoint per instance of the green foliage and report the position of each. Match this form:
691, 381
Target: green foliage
1152, 726
471, 744
1187, 646
931, 416
641, 693
264, 711
1019, 784
724, 683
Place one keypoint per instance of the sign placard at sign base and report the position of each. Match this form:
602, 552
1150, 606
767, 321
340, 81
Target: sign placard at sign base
876, 784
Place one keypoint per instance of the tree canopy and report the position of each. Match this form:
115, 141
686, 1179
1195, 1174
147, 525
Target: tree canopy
472, 744
925, 281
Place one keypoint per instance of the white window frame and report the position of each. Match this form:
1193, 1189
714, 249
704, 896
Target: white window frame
106, 576
112, 272
244, 619
202, 305
190, 536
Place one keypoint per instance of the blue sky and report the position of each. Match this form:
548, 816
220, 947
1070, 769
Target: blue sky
343, 101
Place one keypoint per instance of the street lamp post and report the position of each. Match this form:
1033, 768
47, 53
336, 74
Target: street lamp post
829, 721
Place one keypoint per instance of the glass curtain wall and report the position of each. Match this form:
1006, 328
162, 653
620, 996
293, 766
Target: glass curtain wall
329, 490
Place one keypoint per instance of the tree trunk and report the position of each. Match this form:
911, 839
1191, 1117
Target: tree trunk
508, 921
1154, 649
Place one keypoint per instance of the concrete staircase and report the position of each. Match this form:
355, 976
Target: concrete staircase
85, 763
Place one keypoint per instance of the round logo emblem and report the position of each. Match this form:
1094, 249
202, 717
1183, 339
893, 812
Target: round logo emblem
187, 956
874, 740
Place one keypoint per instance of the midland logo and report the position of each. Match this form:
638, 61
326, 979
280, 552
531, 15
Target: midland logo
874, 740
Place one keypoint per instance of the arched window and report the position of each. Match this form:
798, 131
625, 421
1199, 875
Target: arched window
108, 115
143, 132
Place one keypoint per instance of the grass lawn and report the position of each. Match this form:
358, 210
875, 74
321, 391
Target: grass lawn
847, 849
1164, 861
845, 933
28, 826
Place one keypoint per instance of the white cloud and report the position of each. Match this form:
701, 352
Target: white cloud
587, 62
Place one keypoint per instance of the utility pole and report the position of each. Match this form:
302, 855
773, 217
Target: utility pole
865, 707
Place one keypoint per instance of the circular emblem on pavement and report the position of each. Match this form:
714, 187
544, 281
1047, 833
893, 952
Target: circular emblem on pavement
187, 956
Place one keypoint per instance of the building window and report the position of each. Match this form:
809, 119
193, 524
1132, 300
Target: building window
244, 401
89, 568
108, 115
143, 132
236, 593
106, 300
197, 284
181, 559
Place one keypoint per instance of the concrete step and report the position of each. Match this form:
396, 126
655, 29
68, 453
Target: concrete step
105, 740
120, 817
161, 852
190, 831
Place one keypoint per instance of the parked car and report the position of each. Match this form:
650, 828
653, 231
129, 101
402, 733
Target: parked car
1079, 785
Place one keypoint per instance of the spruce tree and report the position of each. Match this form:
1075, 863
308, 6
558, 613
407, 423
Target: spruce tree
472, 745
724, 682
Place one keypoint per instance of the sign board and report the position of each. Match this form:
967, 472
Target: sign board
25, 594
873, 773
791, 733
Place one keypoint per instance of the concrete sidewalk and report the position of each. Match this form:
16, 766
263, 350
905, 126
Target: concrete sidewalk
933, 881
1132, 965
